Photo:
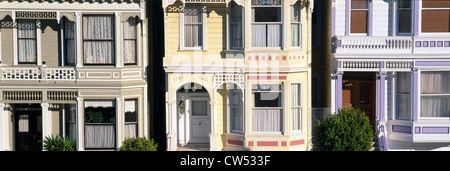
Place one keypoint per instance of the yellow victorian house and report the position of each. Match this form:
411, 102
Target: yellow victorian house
238, 74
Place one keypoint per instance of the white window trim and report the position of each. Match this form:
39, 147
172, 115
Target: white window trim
283, 28
350, 20
282, 107
396, 20
229, 119
301, 6
229, 47
301, 108
38, 43
181, 22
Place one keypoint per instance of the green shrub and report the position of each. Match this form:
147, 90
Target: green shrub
138, 144
350, 130
58, 143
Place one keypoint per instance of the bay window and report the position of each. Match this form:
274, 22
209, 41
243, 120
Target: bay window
266, 23
26, 35
98, 39
403, 95
435, 94
99, 124
267, 110
435, 15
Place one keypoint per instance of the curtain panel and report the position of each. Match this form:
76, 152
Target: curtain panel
435, 98
98, 39
26, 35
129, 41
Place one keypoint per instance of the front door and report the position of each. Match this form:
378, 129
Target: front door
360, 94
28, 126
200, 125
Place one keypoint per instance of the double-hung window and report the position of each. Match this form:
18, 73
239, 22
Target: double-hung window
404, 16
98, 39
268, 109
131, 123
129, 41
435, 94
296, 108
236, 38
296, 25
193, 26
359, 16
236, 110
435, 15
266, 23
26, 35
403, 95
99, 124
69, 42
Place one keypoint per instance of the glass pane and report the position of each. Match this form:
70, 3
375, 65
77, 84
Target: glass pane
100, 112
403, 106
266, 14
270, 99
130, 111
295, 95
403, 82
274, 35
435, 82
435, 20
26, 28
98, 52
295, 12
435, 106
358, 22
404, 21
404, 3
98, 27
259, 38
435, 3
27, 50
295, 38
23, 123
359, 4
296, 118
199, 108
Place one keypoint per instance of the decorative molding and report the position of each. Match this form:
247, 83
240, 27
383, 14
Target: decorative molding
3, 14
69, 15
35, 15
126, 15
56, 5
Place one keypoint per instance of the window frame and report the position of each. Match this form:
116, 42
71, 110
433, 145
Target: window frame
299, 23
35, 42
230, 27
280, 23
281, 104
65, 39
295, 106
113, 31
367, 19
421, 20
128, 39
203, 11
136, 110
113, 124
397, 18
421, 94
397, 94
240, 106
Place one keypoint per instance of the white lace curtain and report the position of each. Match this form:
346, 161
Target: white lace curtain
99, 135
26, 32
296, 106
193, 25
266, 120
435, 98
129, 41
98, 39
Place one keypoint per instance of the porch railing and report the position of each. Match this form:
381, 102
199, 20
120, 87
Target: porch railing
374, 44
34, 73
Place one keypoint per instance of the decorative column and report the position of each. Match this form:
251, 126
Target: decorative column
415, 95
213, 135
119, 122
4, 135
381, 96
338, 100
46, 121
170, 137
80, 116
79, 62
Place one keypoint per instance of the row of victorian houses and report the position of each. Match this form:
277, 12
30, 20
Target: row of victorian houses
225, 74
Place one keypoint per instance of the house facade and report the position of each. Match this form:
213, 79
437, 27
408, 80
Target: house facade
72, 68
391, 60
238, 74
